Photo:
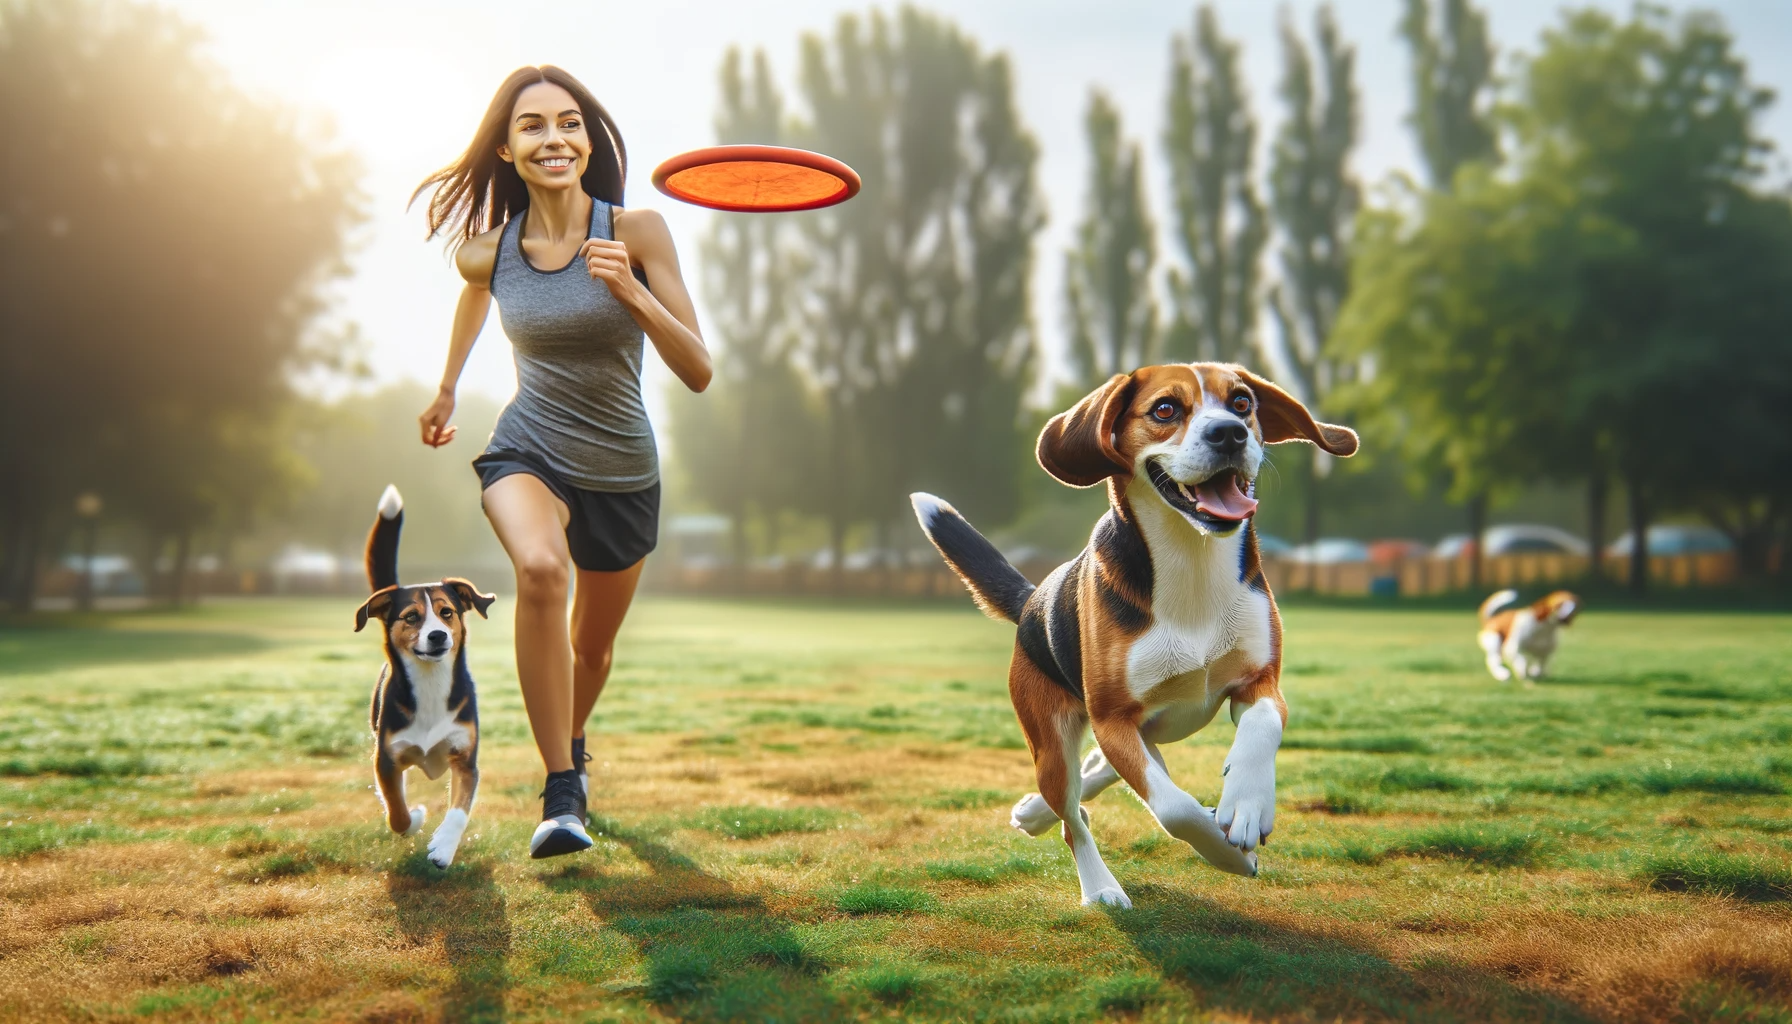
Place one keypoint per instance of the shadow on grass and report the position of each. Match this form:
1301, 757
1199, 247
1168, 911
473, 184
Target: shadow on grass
712, 953
467, 910
31, 648
1233, 963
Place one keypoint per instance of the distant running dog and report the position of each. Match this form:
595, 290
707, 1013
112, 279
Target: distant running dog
1523, 637
425, 713
1161, 619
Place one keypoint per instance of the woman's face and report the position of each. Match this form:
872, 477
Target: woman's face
547, 140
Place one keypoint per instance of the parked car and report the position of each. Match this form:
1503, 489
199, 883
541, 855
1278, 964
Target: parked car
1515, 539
1397, 550
1330, 551
1272, 546
1676, 540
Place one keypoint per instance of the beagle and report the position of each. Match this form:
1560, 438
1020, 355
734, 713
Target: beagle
1523, 637
1161, 619
425, 713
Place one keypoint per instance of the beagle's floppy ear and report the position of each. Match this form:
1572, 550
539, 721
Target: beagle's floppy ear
469, 594
1077, 445
374, 607
1283, 418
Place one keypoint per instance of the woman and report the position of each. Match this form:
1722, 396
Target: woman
533, 211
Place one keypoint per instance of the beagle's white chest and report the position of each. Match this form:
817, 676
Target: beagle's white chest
1202, 612
432, 733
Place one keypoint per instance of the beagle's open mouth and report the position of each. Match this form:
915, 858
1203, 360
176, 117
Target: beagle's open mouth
1218, 504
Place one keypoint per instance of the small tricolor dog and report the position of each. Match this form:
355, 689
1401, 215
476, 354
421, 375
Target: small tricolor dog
1523, 638
1161, 619
425, 712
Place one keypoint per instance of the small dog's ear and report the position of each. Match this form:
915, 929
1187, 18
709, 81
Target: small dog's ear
470, 595
1077, 445
1283, 418
374, 607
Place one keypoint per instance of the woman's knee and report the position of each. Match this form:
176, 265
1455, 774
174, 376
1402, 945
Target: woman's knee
542, 574
593, 655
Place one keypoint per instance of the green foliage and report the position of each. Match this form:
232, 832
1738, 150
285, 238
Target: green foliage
168, 388
1452, 77
1107, 277
889, 984
1209, 139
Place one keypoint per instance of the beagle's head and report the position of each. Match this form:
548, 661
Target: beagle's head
1194, 431
426, 621
1558, 607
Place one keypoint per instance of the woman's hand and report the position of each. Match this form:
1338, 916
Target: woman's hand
607, 261
434, 421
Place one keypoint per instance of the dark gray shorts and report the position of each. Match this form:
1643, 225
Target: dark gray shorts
607, 532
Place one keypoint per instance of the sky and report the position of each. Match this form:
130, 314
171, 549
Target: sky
403, 83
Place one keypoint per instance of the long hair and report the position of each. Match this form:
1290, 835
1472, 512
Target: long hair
479, 191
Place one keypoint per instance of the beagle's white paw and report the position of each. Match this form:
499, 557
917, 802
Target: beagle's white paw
1033, 815
446, 839
418, 814
1247, 811
1109, 897
1502, 673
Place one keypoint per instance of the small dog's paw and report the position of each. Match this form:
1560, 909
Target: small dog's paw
418, 814
1502, 673
446, 840
1247, 813
1109, 897
1033, 815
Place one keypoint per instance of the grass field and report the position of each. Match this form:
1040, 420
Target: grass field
804, 811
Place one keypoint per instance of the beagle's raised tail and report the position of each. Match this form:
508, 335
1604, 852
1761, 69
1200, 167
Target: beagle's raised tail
998, 587
1497, 601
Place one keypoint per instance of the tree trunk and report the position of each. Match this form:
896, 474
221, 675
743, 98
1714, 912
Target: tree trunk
1477, 530
1596, 499
183, 556
18, 575
1639, 537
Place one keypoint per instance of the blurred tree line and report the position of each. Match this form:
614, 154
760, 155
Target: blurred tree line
1589, 287
164, 242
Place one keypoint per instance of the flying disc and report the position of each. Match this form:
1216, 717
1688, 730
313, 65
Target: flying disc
756, 179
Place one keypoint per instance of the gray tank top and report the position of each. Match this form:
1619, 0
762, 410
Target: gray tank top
578, 401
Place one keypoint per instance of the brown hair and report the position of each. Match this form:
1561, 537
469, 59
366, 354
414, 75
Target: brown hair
479, 191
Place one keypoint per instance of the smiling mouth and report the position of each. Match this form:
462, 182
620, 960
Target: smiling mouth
555, 163
1218, 504
429, 653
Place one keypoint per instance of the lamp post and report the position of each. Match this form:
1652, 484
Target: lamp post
87, 507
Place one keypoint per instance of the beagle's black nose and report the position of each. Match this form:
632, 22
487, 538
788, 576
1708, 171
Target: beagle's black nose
1228, 438
438, 638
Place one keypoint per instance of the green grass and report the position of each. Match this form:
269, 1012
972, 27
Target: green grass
801, 811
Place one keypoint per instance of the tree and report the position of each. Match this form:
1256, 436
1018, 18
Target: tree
915, 294
755, 461
1452, 80
1209, 140
1452, 85
1107, 277
163, 264
1315, 201
1654, 122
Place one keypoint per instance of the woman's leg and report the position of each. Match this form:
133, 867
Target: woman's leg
597, 610
531, 524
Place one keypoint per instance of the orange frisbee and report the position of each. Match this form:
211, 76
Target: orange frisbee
756, 179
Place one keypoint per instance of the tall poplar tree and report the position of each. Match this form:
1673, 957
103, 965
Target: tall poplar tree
1315, 201
1107, 276
1219, 221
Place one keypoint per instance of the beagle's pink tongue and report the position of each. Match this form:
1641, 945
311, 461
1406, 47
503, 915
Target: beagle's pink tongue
1221, 497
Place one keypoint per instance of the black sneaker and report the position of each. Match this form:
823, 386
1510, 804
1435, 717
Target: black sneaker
562, 828
579, 760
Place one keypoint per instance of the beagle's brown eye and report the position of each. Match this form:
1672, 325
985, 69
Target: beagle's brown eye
1165, 411
1241, 404
446, 613
413, 617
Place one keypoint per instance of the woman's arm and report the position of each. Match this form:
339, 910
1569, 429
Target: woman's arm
665, 312
474, 261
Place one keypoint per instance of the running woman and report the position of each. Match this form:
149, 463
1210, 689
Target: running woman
533, 213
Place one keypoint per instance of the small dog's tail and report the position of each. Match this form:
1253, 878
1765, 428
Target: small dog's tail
382, 541
998, 587
1496, 602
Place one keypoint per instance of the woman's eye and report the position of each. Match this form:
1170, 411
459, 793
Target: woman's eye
570, 126
1164, 412
1241, 405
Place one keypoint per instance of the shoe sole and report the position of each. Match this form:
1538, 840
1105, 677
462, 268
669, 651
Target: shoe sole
559, 843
